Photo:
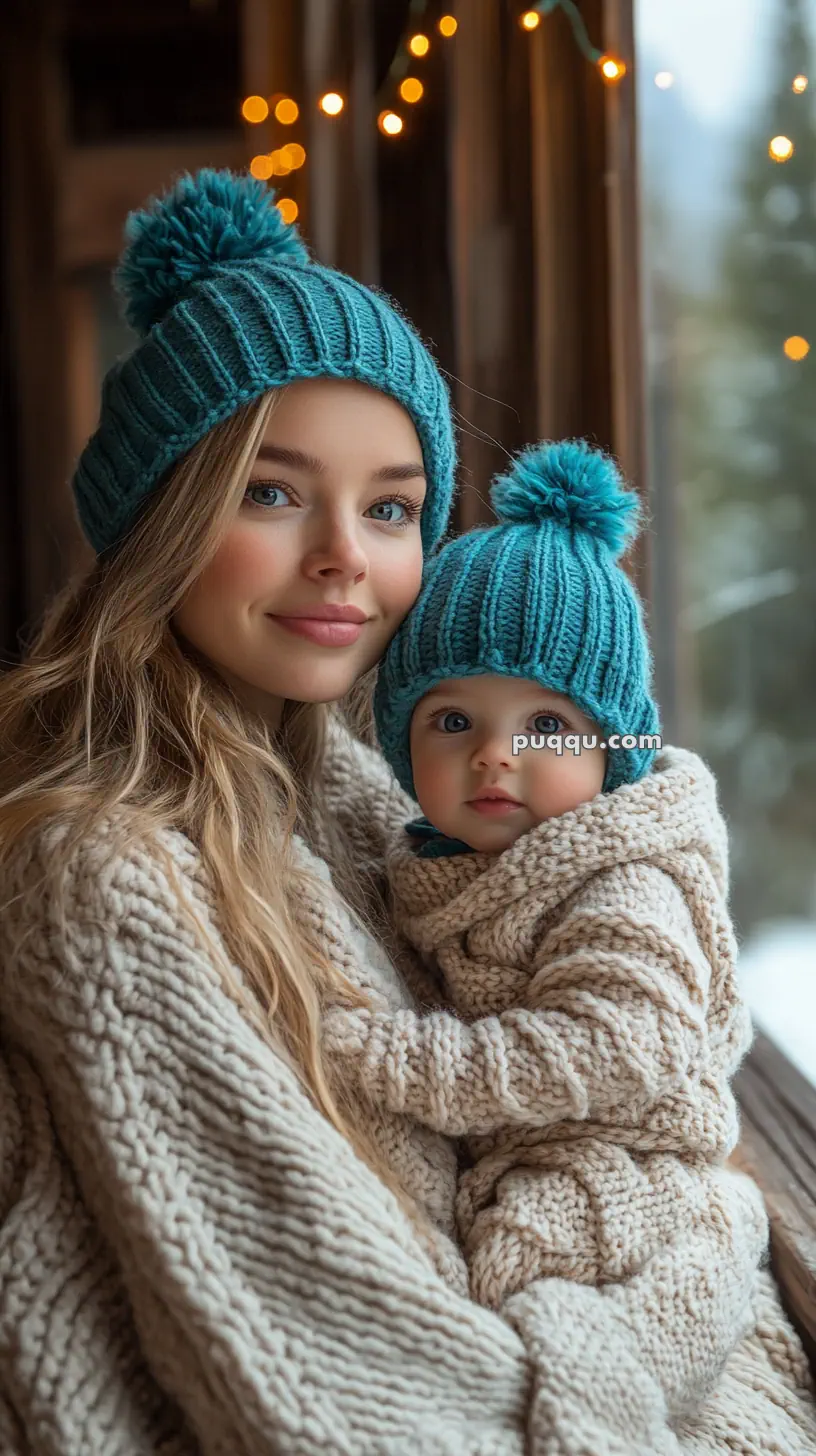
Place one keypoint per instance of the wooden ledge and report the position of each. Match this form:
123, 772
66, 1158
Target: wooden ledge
778, 1149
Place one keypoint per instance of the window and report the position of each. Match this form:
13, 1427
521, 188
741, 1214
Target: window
726, 99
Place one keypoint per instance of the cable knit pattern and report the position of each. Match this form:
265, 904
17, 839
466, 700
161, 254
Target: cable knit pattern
592, 966
192, 1262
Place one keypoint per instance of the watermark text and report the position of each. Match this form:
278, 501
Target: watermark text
560, 743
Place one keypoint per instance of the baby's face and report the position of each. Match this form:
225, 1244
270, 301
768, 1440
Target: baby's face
462, 747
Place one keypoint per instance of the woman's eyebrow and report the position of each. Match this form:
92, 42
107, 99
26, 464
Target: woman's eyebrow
297, 459
409, 471
300, 460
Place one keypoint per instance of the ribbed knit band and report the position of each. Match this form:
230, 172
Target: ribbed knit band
249, 327
546, 603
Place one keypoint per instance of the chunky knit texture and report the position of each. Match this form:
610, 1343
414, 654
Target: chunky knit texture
193, 1263
229, 307
592, 965
539, 596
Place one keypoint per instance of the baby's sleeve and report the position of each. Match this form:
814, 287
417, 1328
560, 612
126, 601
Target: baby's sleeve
614, 1017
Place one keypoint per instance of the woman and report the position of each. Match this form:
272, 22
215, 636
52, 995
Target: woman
206, 1245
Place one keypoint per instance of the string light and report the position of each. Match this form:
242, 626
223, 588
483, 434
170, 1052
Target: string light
261, 167
411, 90
332, 103
255, 109
287, 111
389, 123
612, 69
664, 80
288, 209
294, 155
796, 347
780, 149
799, 84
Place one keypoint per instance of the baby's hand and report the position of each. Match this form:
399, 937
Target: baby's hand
345, 1032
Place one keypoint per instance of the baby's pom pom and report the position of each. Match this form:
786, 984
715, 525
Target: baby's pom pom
214, 217
572, 483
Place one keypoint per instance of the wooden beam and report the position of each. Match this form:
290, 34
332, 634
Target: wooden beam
35, 304
627, 377
272, 66
571, 236
338, 56
489, 220
359, 239
586, 222
778, 1150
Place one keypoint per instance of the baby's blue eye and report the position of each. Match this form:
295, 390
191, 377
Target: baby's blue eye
546, 723
388, 506
454, 722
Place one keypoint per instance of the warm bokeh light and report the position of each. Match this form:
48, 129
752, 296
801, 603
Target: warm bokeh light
411, 89
288, 208
530, 20
799, 84
389, 123
261, 167
294, 155
280, 163
287, 111
255, 109
796, 347
448, 25
419, 45
780, 149
612, 69
332, 103
664, 80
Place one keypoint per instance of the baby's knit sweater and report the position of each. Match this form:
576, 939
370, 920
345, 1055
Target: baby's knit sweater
593, 967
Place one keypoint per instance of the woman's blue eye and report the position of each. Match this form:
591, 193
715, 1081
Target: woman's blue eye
546, 723
388, 506
454, 722
275, 490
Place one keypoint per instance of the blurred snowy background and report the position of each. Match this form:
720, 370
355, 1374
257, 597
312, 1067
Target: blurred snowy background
727, 112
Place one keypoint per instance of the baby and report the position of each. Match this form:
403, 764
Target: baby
568, 886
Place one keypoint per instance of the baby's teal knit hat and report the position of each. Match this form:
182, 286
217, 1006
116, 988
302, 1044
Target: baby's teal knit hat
539, 596
229, 305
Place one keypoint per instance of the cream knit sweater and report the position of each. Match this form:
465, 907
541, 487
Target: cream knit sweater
192, 1261
593, 969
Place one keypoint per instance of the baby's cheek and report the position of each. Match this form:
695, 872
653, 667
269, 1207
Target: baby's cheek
563, 782
433, 779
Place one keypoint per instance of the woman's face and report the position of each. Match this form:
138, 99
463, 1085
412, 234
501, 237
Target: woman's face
329, 519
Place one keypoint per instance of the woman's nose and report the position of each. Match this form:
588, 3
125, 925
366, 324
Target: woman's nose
336, 551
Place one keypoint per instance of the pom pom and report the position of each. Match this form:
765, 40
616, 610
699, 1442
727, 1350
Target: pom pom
212, 218
571, 483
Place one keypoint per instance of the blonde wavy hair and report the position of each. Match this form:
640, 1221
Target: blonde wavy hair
111, 712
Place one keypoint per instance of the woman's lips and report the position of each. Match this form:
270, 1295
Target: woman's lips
494, 808
327, 633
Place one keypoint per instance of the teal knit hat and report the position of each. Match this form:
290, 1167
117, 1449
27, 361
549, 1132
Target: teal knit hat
539, 596
228, 305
